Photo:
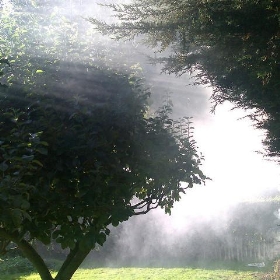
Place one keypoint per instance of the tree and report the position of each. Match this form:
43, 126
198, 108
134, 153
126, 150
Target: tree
73, 165
231, 45
79, 150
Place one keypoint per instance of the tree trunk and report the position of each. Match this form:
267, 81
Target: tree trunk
68, 268
30, 253
72, 263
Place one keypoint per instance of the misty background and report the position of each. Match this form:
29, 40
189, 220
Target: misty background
235, 216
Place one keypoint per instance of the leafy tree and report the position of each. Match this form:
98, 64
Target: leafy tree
231, 45
79, 151
73, 165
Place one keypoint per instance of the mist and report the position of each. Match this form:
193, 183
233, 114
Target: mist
233, 217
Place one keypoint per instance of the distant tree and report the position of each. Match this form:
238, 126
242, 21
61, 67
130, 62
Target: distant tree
231, 45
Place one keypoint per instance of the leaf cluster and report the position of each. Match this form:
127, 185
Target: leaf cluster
72, 165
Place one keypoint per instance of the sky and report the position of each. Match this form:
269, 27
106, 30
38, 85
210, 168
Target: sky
230, 146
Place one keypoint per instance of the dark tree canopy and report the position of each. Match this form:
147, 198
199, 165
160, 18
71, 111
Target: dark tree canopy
233, 46
73, 165
79, 149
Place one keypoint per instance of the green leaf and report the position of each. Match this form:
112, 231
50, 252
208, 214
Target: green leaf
42, 151
3, 166
26, 216
88, 242
37, 162
64, 244
4, 60
27, 158
59, 239
39, 71
17, 217
45, 239
101, 238
115, 223
71, 244
55, 234
24, 204
44, 143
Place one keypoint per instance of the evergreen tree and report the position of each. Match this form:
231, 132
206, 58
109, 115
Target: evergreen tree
233, 46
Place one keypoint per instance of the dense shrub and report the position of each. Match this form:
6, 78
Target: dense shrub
16, 264
19, 264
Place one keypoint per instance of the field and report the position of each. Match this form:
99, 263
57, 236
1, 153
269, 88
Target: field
151, 274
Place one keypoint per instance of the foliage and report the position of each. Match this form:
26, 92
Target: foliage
43, 41
89, 150
231, 45
78, 151
33, 42
73, 165
15, 265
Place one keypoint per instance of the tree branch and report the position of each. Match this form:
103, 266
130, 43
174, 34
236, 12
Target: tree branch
72, 263
29, 252
68, 260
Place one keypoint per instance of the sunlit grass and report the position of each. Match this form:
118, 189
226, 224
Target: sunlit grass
151, 274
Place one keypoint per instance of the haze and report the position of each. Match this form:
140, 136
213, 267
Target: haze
229, 144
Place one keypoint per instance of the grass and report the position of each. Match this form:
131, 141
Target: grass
150, 274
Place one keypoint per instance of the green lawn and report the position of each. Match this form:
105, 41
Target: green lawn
150, 273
